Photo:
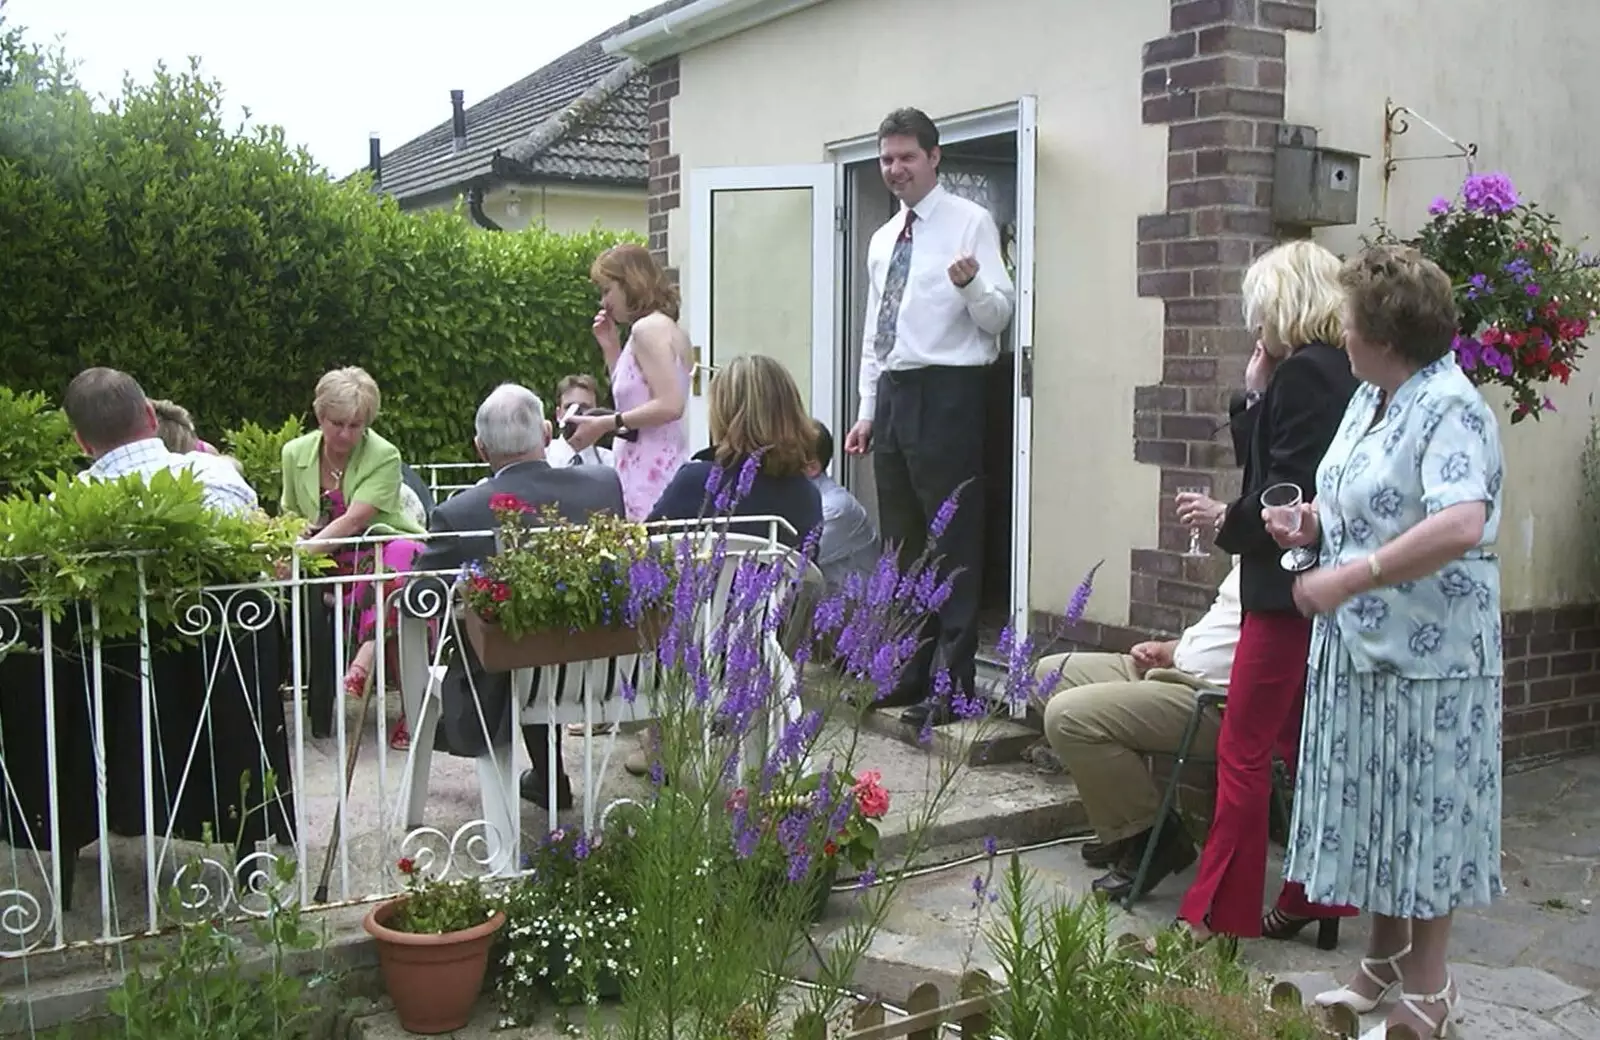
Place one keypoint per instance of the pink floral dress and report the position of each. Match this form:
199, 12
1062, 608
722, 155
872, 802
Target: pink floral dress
648, 464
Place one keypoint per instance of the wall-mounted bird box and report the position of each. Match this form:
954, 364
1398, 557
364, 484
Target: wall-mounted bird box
1313, 186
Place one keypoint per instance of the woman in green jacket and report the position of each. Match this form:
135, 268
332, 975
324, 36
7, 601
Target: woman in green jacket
345, 480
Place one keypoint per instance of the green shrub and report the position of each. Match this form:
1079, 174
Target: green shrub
35, 442
260, 453
224, 270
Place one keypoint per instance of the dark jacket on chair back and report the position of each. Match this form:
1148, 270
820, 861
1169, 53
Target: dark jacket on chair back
1281, 438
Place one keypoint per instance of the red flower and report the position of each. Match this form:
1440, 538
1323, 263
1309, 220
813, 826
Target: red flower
1492, 335
738, 800
830, 850
870, 795
1561, 371
501, 592
505, 502
407, 865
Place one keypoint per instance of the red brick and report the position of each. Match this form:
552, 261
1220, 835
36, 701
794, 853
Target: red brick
1211, 454
1175, 342
1160, 453
1518, 723
1217, 282
1158, 398
1211, 191
1212, 133
1189, 371
665, 71
1228, 101
1168, 108
1180, 167
1188, 427
1572, 664
1152, 256
1194, 253
1212, 162
1261, 43
1192, 312
1159, 564
1269, 74
1169, 48
1547, 691
1161, 619
1288, 16
1192, 14
1165, 284
1550, 643
1227, 339
1563, 716
1161, 226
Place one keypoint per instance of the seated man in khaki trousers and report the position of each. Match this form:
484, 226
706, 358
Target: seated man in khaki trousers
1110, 710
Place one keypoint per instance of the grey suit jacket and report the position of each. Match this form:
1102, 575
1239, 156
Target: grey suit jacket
577, 492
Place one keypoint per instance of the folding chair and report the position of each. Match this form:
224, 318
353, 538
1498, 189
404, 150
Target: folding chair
1279, 809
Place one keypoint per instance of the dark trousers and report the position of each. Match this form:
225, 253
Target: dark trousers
927, 442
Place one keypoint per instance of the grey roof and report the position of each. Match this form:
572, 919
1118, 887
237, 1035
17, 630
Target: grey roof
584, 119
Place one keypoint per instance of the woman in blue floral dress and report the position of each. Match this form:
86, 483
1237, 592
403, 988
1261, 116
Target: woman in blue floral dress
1397, 804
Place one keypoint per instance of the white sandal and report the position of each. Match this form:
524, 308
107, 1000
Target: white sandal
1355, 1001
1413, 1002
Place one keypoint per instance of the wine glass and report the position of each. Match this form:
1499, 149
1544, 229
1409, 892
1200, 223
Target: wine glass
1282, 503
1194, 549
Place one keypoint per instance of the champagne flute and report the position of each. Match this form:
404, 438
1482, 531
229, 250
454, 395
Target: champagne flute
1282, 503
1194, 549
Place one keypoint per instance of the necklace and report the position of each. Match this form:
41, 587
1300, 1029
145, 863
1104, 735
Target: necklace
335, 475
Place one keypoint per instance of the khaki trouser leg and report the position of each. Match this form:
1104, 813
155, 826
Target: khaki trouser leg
1102, 720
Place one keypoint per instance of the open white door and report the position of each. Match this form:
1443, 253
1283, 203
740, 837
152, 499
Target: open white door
1022, 331
762, 278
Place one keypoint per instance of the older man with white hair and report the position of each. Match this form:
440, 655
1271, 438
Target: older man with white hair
511, 438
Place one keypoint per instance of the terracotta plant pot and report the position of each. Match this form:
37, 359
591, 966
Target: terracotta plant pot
434, 980
498, 652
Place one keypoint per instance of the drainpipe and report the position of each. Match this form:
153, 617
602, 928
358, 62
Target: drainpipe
375, 160
475, 208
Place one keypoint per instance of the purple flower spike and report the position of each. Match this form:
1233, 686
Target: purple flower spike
714, 479
991, 847
1440, 206
580, 848
942, 518
747, 475
1080, 596
868, 877
799, 866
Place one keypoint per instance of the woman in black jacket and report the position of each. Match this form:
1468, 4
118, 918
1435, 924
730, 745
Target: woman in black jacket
1297, 385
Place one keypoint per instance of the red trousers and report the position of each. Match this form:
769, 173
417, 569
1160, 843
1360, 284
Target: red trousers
1266, 699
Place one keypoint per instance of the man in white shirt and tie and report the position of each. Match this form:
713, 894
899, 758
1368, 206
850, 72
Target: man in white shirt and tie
576, 395
938, 296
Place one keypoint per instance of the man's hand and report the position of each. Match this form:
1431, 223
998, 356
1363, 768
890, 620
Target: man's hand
963, 271
859, 440
1147, 656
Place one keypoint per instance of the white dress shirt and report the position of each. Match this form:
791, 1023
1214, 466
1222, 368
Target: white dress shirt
1206, 648
559, 453
938, 323
222, 488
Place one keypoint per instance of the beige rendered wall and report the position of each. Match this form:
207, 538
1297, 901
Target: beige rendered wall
566, 209
776, 94
1525, 108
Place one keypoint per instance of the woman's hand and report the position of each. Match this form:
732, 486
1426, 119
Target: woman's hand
1258, 370
1288, 533
1200, 510
588, 429
605, 332
1320, 591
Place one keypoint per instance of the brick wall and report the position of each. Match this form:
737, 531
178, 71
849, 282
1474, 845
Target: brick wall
1552, 685
665, 176
1216, 81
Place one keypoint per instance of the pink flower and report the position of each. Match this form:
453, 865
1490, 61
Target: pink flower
504, 502
870, 795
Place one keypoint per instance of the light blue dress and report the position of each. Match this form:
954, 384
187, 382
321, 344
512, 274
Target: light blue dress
1397, 803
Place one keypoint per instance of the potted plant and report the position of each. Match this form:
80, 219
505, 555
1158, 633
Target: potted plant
1525, 297
569, 927
433, 947
557, 592
804, 834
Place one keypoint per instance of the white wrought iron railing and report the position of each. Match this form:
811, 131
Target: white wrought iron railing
182, 770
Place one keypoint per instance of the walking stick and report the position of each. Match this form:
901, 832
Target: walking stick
321, 895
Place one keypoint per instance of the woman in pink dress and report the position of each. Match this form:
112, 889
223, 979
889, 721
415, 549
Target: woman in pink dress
649, 376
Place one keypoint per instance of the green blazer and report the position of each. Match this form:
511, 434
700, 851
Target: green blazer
371, 476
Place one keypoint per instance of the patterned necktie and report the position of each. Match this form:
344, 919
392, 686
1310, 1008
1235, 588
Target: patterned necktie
894, 290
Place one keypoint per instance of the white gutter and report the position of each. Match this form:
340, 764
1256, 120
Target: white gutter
697, 24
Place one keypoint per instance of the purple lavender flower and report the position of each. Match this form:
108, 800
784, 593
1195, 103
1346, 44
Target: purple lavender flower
792, 830
945, 514
747, 474
965, 706
714, 479
745, 837
828, 616
991, 847
1080, 596
799, 865
658, 773
868, 877
580, 848
629, 691
1489, 193
979, 886
1440, 206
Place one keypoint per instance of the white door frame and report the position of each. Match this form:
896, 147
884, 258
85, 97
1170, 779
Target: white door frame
822, 179
1021, 118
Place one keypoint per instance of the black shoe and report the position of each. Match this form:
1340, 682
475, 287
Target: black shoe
535, 789
1278, 925
918, 715
1173, 855
1110, 853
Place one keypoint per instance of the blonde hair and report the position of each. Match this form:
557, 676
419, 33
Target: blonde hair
347, 393
175, 427
1292, 294
756, 406
645, 286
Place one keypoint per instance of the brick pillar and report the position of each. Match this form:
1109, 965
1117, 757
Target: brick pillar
1216, 81
664, 175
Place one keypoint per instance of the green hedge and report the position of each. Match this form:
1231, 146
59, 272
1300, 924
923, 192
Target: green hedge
226, 271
